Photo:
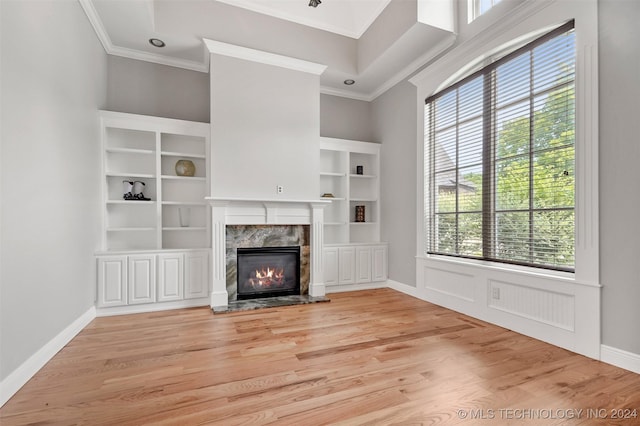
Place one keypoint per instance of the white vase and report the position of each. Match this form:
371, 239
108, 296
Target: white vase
184, 215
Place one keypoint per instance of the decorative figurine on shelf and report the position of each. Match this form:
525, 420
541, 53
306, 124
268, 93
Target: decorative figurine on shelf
359, 170
133, 190
138, 187
127, 188
359, 213
185, 168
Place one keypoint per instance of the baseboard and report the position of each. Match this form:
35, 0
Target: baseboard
14, 381
619, 358
404, 288
354, 287
152, 307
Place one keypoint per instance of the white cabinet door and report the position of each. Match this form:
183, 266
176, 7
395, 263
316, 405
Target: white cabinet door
363, 264
379, 263
330, 266
170, 277
347, 265
196, 277
142, 278
112, 281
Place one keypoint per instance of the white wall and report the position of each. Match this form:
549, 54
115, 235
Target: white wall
345, 118
265, 130
146, 88
619, 158
53, 81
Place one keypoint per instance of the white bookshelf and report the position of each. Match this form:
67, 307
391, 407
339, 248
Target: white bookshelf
339, 159
146, 149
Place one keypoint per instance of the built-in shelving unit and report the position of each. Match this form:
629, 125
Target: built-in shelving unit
154, 252
146, 149
354, 257
339, 163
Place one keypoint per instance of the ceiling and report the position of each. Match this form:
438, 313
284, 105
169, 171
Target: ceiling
377, 43
349, 18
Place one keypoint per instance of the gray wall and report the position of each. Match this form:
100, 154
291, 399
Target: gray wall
345, 118
53, 81
145, 88
395, 121
619, 63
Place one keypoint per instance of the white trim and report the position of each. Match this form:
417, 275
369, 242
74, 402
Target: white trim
96, 23
107, 44
239, 52
152, 307
355, 287
437, 50
326, 90
527, 19
620, 358
21, 375
398, 77
404, 288
159, 59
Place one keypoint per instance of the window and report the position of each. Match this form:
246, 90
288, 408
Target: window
500, 156
478, 7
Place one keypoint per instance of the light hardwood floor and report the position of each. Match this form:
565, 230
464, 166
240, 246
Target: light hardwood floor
369, 357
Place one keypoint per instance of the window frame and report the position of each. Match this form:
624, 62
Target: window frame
489, 162
474, 9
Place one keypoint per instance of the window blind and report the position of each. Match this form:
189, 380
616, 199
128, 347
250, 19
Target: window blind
500, 159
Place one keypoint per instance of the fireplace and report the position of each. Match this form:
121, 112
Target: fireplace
268, 272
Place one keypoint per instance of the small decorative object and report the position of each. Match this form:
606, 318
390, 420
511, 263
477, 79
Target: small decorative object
359, 213
184, 215
185, 168
138, 187
127, 190
327, 195
359, 171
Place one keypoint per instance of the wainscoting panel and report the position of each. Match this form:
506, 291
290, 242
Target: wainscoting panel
451, 283
552, 308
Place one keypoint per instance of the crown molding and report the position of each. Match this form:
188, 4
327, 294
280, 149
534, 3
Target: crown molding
414, 66
159, 59
103, 36
326, 90
239, 52
512, 19
96, 23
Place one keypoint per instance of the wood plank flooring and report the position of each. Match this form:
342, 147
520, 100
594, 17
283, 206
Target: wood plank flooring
374, 357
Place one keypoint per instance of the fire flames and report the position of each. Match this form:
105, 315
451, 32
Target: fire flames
267, 277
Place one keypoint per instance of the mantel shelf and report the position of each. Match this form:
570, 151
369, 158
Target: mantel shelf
263, 200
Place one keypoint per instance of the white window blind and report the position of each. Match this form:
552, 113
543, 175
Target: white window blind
499, 159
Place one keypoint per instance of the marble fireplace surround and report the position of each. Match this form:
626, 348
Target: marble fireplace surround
244, 211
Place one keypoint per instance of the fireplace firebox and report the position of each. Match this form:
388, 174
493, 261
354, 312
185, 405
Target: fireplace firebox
268, 272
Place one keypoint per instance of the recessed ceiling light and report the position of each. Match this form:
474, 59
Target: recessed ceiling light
314, 3
157, 42
349, 82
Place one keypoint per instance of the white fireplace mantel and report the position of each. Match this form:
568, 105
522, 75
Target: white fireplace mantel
251, 211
